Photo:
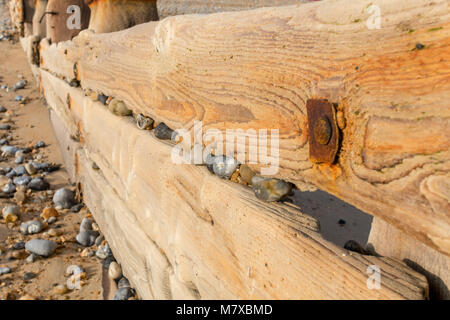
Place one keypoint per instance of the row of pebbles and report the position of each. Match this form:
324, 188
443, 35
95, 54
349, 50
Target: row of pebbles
225, 167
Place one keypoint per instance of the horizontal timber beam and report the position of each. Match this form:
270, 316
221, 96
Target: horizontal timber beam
180, 232
257, 69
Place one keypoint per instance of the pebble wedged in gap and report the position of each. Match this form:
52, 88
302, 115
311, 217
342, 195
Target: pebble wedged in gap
119, 108
87, 238
64, 198
41, 247
246, 174
86, 224
102, 98
222, 166
354, 246
144, 123
124, 283
115, 271
38, 184
270, 189
103, 252
123, 294
163, 132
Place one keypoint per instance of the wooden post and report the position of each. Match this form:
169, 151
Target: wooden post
114, 15
62, 22
39, 20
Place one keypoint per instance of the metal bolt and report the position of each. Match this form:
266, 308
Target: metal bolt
322, 131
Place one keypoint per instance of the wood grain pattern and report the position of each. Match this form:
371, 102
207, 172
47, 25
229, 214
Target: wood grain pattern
256, 69
176, 239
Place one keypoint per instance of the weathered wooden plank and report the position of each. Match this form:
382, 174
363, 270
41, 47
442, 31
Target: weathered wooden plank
256, 70
168, 8
116, 15
388, 241
39, 21
180, 232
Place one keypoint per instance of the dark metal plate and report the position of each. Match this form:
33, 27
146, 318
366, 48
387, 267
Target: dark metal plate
323, 131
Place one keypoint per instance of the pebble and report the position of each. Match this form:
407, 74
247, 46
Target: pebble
144, 123
87, 238
22, 180
103, 252
54, 232
76, 208
354, 246
114, 271
64, 198
87, 253
47, 213
9, 188
31, 258
31, 227
86, 225
5, 126
163, 132
5, 270
119, 108
39, 144
19, 98
51, 220
246, 174
11, 213
3, 142
38, 184
124, 283
20, 85
222, 166
99, 240
123, 294
19, 171
41, 247
102, 98
9, 150
20, 196
270, 189
29, 276
19, 159
31, 169
60, 289
3, 109
19, 245
18, 254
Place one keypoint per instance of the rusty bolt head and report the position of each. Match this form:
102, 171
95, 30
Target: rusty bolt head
322, 131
